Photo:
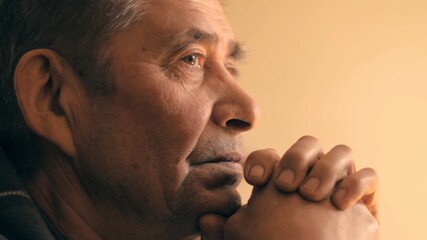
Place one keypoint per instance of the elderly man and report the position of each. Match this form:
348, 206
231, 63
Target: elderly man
124, 121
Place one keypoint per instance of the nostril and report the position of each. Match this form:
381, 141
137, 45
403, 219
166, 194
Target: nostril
238, 124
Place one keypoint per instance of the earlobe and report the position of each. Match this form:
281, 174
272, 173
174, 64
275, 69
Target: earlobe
40, 82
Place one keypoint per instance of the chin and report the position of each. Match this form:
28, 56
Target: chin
209, 188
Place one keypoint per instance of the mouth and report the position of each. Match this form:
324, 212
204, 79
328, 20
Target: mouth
233, 157
219, 172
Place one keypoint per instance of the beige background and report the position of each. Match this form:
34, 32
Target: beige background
350, 72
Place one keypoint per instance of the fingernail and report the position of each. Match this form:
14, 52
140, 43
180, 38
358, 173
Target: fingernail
256, 171
312, 184
286, 176
340, 194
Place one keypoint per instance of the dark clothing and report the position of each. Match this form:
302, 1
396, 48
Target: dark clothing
19, 216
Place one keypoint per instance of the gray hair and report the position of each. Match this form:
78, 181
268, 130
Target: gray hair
78, 30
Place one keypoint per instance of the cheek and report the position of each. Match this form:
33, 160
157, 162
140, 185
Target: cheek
171, 114
177, 132
139, 147
166, 123
177, 118
187, 123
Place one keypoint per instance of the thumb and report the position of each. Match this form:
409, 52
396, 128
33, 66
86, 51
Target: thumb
212, 226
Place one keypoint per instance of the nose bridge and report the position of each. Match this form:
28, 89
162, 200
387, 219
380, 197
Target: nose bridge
235, 109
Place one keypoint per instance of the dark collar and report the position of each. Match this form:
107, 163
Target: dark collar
19, 216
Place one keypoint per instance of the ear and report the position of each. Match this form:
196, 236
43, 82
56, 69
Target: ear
42, 83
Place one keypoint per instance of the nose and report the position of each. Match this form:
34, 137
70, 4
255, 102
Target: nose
236, 110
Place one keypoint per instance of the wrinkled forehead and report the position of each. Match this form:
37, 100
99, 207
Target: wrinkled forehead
168, 8
172, 24
174, 17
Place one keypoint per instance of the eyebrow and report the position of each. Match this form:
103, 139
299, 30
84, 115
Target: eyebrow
236, 51
195, 35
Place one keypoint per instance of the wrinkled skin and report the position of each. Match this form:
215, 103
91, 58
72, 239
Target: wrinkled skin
272, 215
165, 149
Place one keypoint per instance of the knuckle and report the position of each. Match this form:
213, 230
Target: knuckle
354, 184
304, 152
294, 156
255, 154
262, 156
343, 148
368, 175
371, 173
325, 168
357, 187
342, 159
308, 138
370, 179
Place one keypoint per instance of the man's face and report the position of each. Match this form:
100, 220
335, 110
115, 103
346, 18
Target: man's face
167, 144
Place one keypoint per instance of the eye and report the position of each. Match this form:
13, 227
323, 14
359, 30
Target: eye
194, 59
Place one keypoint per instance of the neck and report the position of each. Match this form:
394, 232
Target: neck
78, 214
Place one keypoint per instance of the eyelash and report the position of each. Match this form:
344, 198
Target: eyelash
194, 58
202, 58
192, 65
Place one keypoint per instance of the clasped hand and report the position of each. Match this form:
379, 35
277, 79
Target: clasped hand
306, 194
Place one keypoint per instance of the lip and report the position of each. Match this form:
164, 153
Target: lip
233, 157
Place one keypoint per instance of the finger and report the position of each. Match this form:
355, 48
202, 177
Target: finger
296, 162
235, 225
330, 169
212, 226
259, 166
361, 185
